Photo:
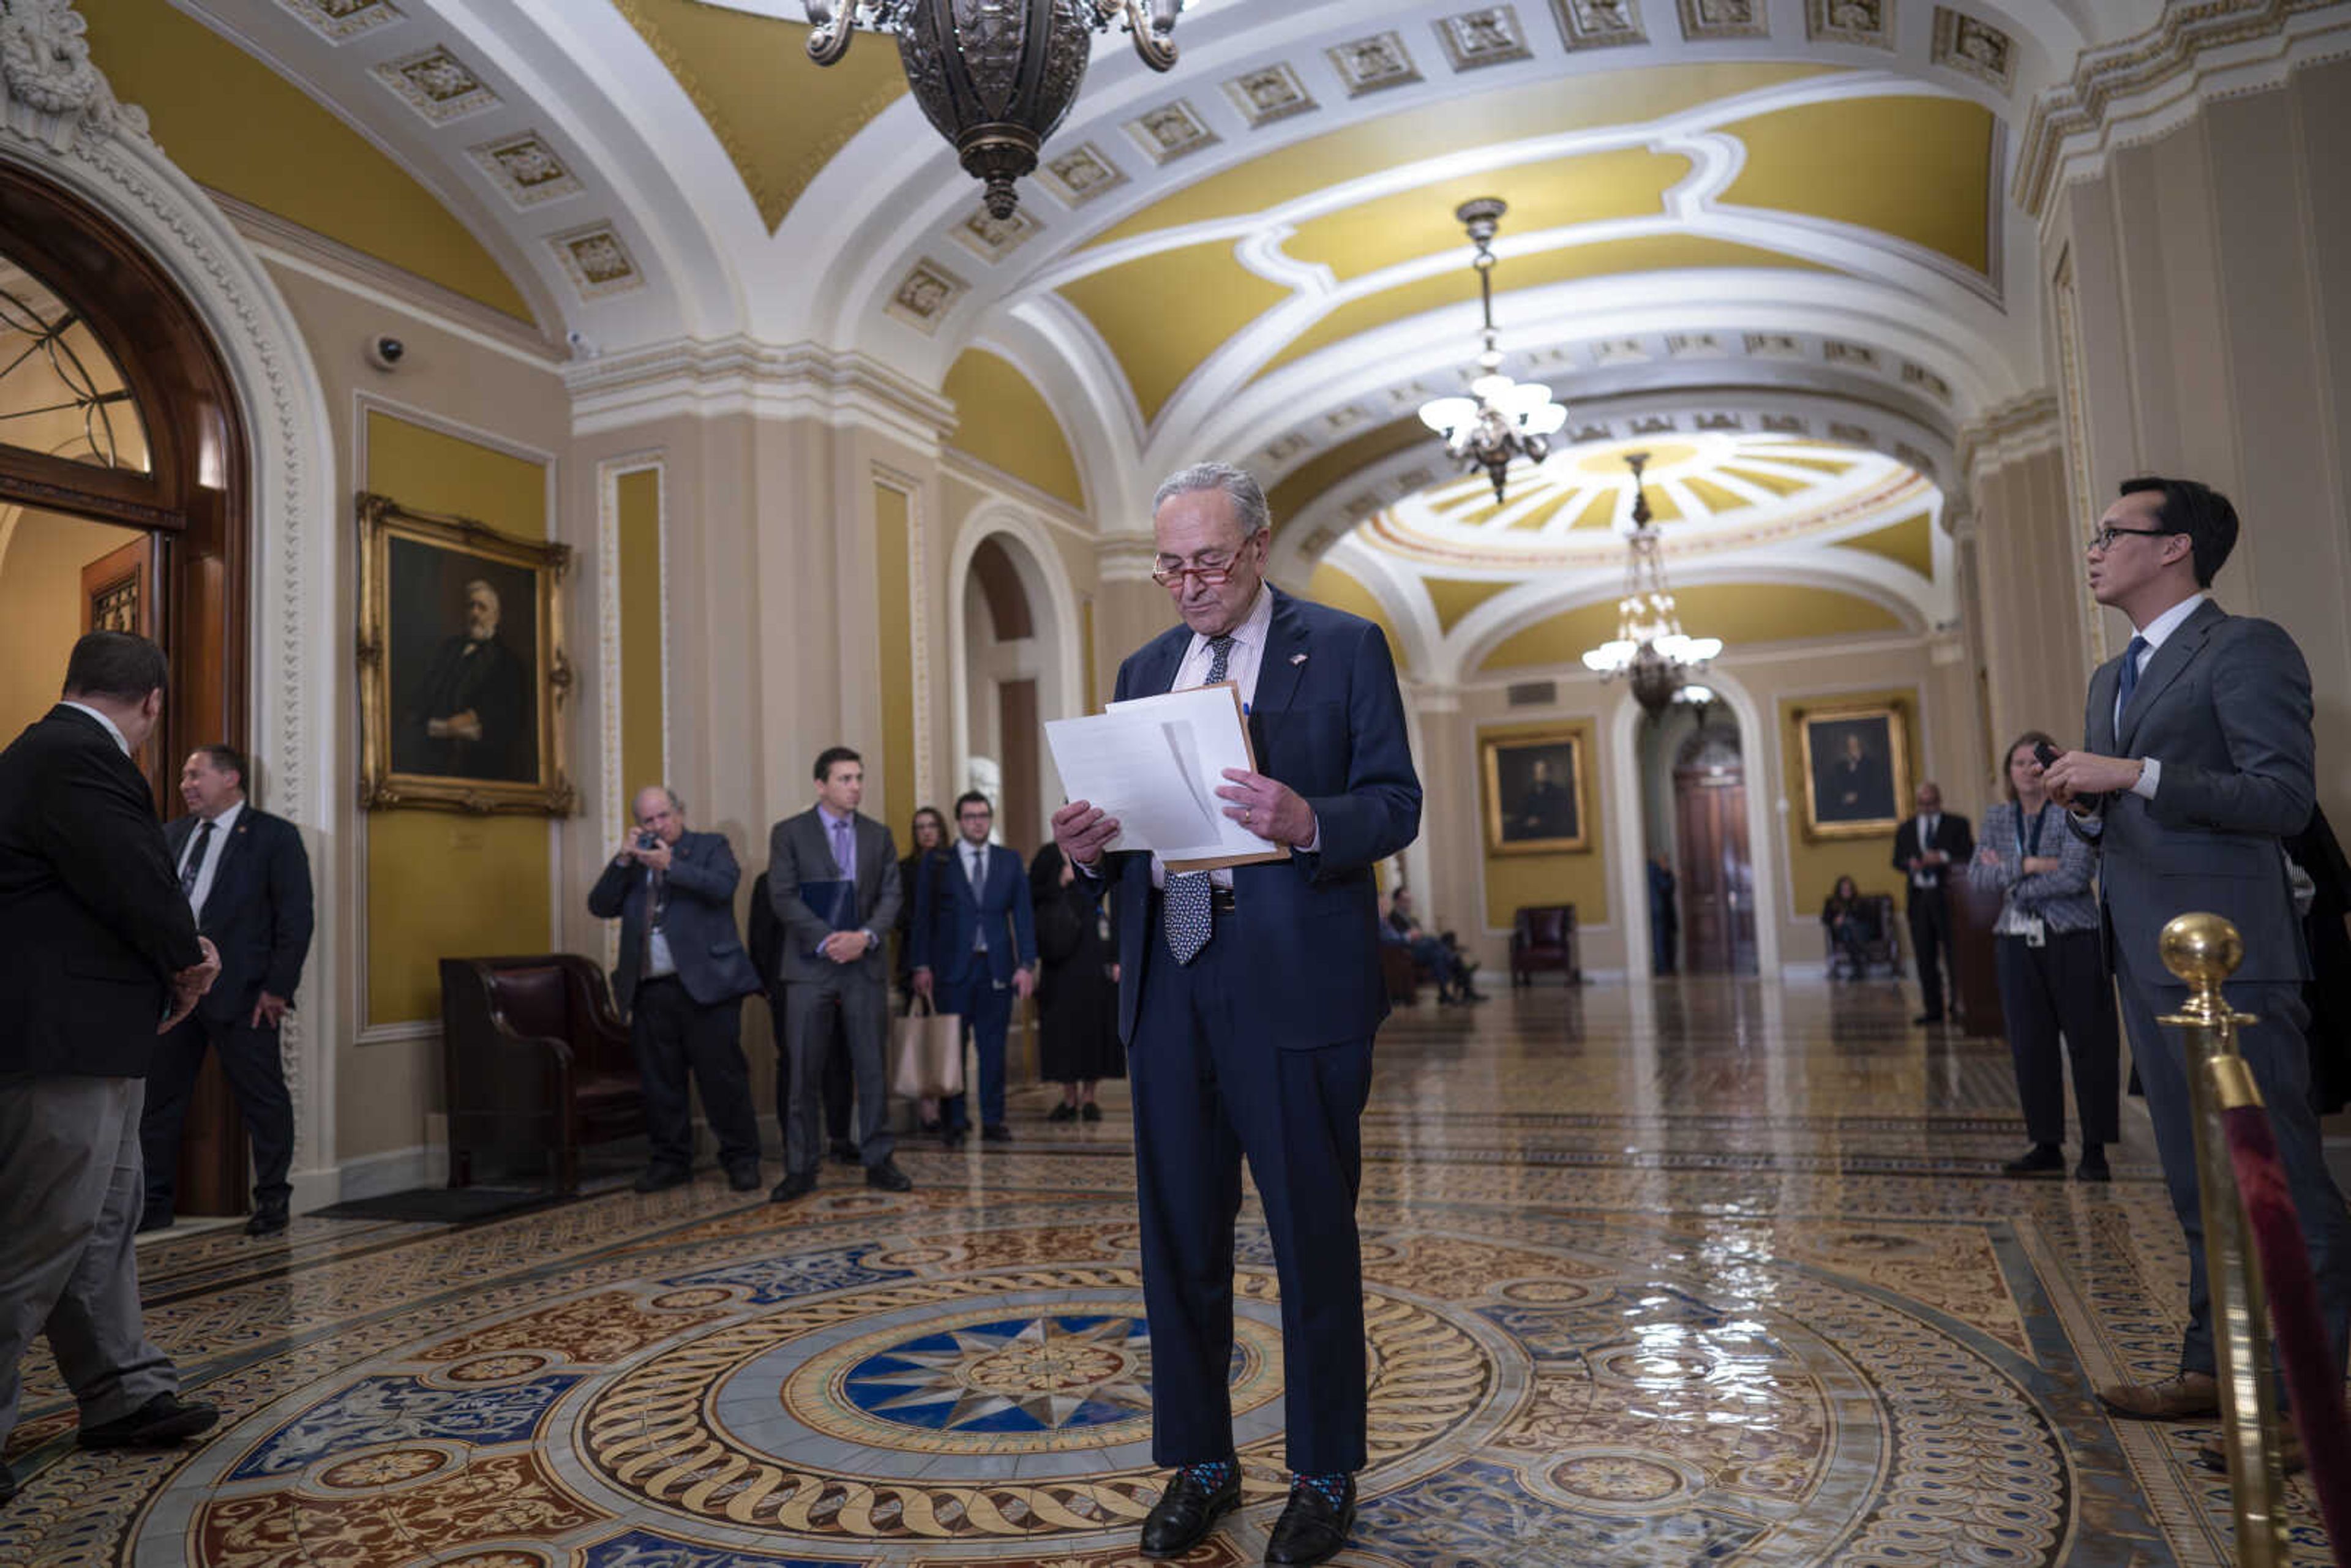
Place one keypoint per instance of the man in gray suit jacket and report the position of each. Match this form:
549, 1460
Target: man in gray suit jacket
835, 973
2199, 762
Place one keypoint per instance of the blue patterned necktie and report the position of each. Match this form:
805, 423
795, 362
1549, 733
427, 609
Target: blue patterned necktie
2129, 677
195, 866
1184, 911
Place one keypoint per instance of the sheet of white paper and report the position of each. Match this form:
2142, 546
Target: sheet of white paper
1156, 764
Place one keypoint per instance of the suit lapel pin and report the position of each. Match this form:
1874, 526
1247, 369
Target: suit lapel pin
1297, 658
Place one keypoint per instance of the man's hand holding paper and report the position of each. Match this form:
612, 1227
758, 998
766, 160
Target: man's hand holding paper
1173, 776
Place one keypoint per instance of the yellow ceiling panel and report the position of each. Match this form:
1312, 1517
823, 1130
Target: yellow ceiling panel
281, 152
1340, 590
1134, 306
1778, 484
1649, 253
1006, 423
1535, 521
1454, 597
1539, 109
1341, 463
1714, 497
1628, 184
1599, 512
1920, 168
1817, 464
1741, 614
1910, 543
779, 114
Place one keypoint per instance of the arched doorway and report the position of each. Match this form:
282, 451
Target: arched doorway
124, 502
1013, 631
1716, 867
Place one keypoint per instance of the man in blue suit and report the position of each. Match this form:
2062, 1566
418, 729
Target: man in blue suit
683, 976
247, 880
974, 941
1249, 999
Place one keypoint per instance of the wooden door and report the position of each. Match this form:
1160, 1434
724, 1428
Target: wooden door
1718, 893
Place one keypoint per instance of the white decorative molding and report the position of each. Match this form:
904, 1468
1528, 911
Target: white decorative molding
1171, 130
1125, 558
925, 295
339, 21
735, 375
597, 261
1268, 93
2024, 427
1490, 36
63, 124
526, 169
1865, 22
1374, 64
1079, 175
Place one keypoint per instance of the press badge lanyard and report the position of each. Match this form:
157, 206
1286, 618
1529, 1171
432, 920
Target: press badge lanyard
2035, 933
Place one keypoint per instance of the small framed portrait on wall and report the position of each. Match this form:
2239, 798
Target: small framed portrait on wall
1534, 792
463, 678
1857, 770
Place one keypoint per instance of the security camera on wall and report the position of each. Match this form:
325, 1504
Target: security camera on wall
386, 352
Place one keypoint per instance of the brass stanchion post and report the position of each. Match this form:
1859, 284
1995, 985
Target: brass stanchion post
2204, 950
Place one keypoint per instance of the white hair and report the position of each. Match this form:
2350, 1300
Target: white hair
1238, 486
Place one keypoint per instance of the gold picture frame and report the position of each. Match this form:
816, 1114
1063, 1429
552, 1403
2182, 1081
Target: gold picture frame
1534, 792
1857, 762
440, 600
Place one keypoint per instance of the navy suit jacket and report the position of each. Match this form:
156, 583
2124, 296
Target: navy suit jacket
949, 917
700, 925
1328, 721
259, 912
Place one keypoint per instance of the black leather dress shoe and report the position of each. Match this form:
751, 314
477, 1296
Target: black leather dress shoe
661, 1178
153, 1221
164, 1422
1186, 1511
888, 1177
743, 1177
269, 1220
799, 1184
996, 1133
1311, 1529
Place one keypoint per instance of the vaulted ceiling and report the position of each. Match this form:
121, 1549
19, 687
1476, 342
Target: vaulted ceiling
1736, 226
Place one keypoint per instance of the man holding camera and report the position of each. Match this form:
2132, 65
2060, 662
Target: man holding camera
682, 976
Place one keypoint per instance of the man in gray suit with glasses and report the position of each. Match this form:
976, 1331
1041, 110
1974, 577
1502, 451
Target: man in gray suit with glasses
832, 882
2198, 763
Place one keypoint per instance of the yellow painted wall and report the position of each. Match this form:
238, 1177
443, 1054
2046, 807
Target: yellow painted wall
1909, 543
1917, 168
1813, 868
1163, 314
1340, 464
1002, 420
641, 674
894, 622
438, 883
1340, 590
1580, 878
41, 558
239, 127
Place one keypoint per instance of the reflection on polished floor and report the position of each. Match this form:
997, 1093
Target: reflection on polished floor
1720, 1272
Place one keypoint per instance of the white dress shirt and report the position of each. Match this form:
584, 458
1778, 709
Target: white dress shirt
1928, 822
112, 727
1241, 667
223, 825
2154, 634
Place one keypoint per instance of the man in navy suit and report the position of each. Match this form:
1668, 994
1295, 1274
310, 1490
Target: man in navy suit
247, 880
975, 940
1249, 999
683, 976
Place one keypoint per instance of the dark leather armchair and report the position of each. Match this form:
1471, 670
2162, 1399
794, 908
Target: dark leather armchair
1400, 972
1542, 937
1885, 948
535, 1064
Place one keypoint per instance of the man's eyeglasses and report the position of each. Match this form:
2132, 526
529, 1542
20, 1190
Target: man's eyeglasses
2103, 539
1212, 573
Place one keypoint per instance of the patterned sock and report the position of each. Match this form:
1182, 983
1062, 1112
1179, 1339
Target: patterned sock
1213, 1474
1333, 1486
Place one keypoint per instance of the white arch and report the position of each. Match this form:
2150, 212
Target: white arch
1630, 890
108, 161
1047, 580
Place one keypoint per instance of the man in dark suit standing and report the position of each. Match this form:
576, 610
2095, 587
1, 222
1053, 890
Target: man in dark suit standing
683, 976
1249, 999
247, 878
974, 941
1926, 848
2200, 762
835, 969
96, 950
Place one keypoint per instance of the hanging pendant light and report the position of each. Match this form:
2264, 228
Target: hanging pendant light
996, 76
1501, 419
1650, 648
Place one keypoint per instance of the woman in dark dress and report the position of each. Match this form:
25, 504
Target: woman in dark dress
1852, 926
930, 838
1077, 987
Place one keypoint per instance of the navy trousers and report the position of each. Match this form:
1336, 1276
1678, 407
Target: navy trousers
2280, 1060
985, 1009
1209, 1089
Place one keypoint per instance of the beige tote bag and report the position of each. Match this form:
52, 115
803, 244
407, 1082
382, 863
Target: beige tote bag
926, 1053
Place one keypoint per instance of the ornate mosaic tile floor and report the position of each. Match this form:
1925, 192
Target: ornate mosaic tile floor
1722, 1273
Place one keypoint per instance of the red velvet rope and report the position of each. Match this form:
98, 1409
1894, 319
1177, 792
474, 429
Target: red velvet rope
2311, 1382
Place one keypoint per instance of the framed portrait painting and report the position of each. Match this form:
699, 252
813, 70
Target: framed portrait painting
1856, 771
463, 678
1534, 792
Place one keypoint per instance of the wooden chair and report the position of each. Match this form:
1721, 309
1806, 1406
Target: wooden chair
1542, 937
1401, 972
1885, 948
536, 1064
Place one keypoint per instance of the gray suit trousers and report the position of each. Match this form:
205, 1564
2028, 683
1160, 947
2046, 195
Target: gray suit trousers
858, 1005
2279, 1059
71, 1182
